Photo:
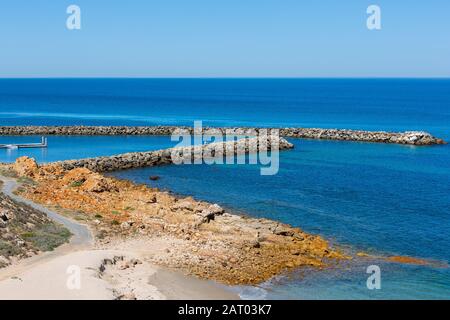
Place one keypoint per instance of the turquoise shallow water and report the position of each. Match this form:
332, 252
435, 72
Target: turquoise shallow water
384, 199
76, 147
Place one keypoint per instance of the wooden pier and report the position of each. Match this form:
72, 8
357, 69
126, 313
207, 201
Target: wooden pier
42, 144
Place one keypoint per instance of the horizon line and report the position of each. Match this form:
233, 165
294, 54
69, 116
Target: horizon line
212, 78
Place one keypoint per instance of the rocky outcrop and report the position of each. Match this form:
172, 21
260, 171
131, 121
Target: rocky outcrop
172, 155
418, 138
88, 181
25, 166
197, 237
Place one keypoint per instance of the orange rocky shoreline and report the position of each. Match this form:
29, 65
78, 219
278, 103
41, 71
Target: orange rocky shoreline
204, 240
195, 237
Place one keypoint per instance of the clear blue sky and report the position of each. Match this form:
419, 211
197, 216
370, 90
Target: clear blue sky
224, 38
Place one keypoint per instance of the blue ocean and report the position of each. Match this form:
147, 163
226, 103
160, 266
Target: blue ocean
377, 198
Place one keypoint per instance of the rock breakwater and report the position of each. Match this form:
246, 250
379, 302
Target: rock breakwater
176, 155
419, 138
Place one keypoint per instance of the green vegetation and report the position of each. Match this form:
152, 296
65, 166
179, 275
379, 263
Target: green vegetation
76, 184
47, 237
27, 235
19, 190
98, 216
28, 230
114, 212
7, 249
115, 223
26, 180
8, 173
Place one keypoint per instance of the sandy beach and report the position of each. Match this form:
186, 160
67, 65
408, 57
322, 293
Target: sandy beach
83, 270
124, 276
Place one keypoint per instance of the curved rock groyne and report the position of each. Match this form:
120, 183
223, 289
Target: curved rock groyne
418, 138
178, 155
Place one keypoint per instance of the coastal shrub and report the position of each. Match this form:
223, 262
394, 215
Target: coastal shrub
19, 190
8, 173
7, 249
27, 235
98, 216
76, 184
47, 237
114, 212
26, 180
115, 223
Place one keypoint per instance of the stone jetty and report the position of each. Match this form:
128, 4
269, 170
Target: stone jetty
418, 138
178, 154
